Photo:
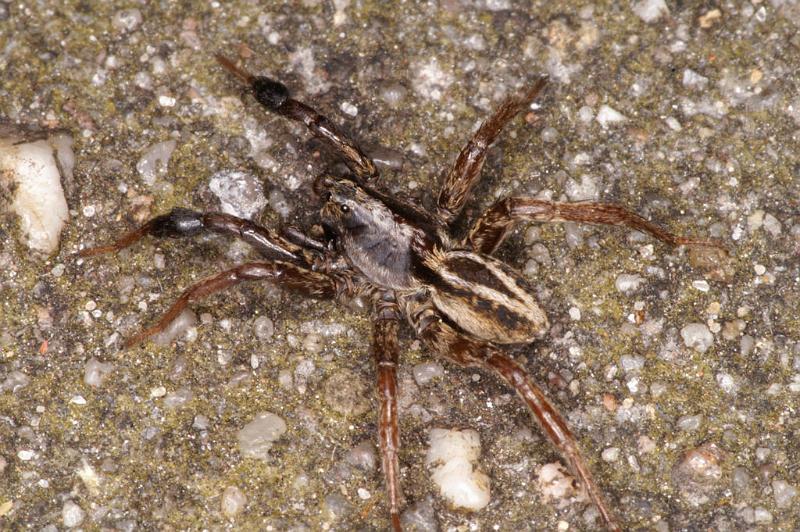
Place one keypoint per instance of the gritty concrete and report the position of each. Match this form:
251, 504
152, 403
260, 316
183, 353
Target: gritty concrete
687, 113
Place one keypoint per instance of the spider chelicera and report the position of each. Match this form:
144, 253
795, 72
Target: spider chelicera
462, 303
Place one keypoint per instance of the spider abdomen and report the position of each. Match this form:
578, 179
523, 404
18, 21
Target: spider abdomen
485, 297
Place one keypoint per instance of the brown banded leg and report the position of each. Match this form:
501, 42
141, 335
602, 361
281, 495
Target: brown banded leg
312, 284
465, 351
275, 97
185, 223
464, 174
386, 351
496, 223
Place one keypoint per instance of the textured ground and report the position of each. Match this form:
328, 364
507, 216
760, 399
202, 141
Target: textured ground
681, 380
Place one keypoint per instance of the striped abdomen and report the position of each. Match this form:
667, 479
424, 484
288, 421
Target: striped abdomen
484, 297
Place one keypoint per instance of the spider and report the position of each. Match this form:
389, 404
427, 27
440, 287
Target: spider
463, 304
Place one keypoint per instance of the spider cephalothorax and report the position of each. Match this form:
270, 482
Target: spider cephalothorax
459, 300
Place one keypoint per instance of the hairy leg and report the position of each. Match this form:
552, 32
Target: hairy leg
465, 171
275, 97
312, 284
465, 351
386, 351
185, 223
495, 224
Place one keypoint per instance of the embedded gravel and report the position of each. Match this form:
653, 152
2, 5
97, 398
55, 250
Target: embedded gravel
679, 373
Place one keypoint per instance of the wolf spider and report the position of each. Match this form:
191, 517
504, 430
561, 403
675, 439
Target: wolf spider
461, 302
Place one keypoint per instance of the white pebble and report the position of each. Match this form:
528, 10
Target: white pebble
127, 19
701, 285
783, 492
451, 455
726, 382
555, 484
348, 108
31, 172
72, 515
177, 328
77, 400
257, 437
178, 398
611, 454
697, 336
26, 455
363, 494
693, 80
772, 225
263, 328
650, 10
154, 161
427, 371
165, 100
760, 269
233, 501
608, 116
95, 372
628, 283
239, 193
574, 313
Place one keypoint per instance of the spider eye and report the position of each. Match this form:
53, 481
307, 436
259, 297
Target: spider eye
344, 208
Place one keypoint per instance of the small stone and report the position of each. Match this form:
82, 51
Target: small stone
177, 328
154, 161
95, 372
348, 108
726, 382
611, 454
15, 381
451, 455
126, 20
701, 285
650, 10
158, 391
239, 193
555, 484
574, 313
645, 445
628, 283
233, 501
178, 398
263, 328
783, 492
363, 494
420, 516
697, 336
693, 80
346, 393
200, 422
362, 456
690, 423
72, 515
608, 116
26, 455
256, 438
762, 515
631, 363
697, 474
30, 176
426, 372
772, 225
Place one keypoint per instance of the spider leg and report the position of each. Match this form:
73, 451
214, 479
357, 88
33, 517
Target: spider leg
446, 342
275, 97
496, 223
386, 350
184, 223
312, 284
465, 171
